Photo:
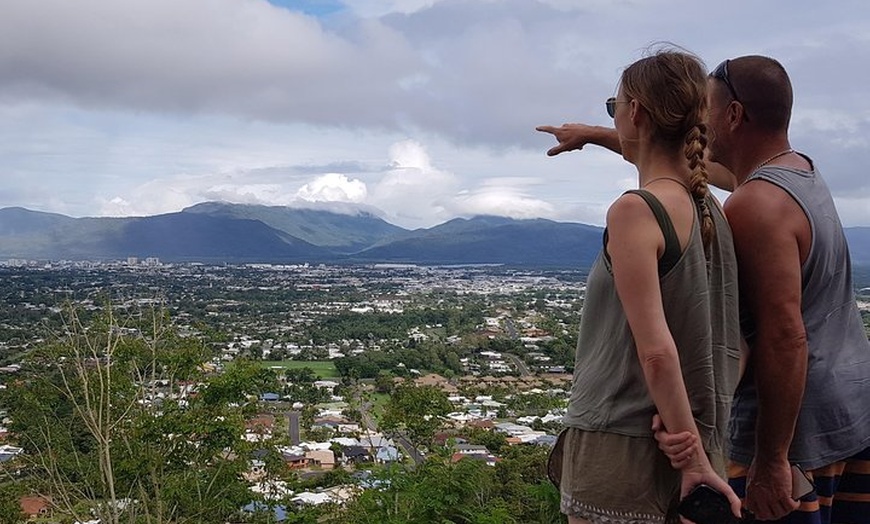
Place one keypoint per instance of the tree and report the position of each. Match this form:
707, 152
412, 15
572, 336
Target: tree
493, 440
467, 492
522, 477
384, 382
303, 375
416, 411
433, 492
120, 422
10, 508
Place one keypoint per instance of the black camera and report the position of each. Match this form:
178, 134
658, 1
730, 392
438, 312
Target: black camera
705, 505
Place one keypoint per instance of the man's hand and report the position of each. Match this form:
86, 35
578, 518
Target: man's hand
573, 137
680, 448
768, 490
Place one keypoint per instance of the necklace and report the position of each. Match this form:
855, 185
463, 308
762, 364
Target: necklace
666, 178
774, 157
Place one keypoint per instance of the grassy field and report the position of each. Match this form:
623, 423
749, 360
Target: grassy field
378, 403
323, 368
379, 400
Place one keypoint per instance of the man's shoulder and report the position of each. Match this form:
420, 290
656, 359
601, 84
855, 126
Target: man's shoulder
764, 214
760, 200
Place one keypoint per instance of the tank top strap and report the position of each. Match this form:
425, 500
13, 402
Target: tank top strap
673, 252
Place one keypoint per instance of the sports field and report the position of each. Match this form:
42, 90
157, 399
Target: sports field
323, 368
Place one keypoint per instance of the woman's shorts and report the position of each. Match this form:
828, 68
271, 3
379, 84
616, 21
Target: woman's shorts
613, 479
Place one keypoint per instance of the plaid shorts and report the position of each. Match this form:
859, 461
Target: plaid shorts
842, 493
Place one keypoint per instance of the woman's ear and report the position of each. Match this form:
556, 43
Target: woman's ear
635, 111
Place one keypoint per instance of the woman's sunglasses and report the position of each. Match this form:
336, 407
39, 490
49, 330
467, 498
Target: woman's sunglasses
610, 104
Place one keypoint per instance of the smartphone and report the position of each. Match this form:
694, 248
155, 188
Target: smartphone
705, 505
801, 484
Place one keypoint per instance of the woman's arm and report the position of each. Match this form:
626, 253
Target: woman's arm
572, 137
635, 241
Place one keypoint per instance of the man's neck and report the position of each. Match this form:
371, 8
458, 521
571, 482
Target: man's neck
759, 151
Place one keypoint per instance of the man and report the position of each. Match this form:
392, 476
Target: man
805, 396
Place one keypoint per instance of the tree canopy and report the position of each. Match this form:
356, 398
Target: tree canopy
121, 421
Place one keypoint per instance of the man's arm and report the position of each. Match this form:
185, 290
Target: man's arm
719, 175
572, 137
771, 234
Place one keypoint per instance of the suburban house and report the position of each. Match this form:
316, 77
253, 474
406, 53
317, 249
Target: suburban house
324, 459
35, 506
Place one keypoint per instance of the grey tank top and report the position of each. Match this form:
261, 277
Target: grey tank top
609, 391
834, 420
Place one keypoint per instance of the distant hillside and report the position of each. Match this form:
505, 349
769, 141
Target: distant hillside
494, 240
174, 236
341, 232
859, 244
859, 248
180, 236
216, 231
17, 221
220, 232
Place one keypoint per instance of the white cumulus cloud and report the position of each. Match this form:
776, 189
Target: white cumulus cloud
333, 187
502, 201
413, 192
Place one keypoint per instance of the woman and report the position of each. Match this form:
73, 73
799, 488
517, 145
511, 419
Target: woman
659, 330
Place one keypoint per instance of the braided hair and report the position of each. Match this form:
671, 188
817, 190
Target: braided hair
672, 87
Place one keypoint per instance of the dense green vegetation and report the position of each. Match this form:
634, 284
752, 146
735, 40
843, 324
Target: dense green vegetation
125, 420
377, 326
141, 401
106, 415
466, 492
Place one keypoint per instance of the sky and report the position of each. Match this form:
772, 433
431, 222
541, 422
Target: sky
419, 111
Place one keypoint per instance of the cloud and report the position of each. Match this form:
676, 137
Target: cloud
246, 58
333, 187
502, 201
173, 193
150, 105
152, 198
412, 191
378, 8
449, 67
854, 210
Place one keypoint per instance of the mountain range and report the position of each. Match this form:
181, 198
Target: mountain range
222, 232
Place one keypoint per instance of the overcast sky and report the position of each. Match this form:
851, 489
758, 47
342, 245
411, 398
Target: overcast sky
420, 110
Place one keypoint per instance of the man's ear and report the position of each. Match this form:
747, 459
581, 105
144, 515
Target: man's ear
736, 114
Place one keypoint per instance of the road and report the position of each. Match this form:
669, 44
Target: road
367, 420
370, 425
410, 449
511, 328
518, 362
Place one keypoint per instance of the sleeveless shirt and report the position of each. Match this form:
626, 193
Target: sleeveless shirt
699, 296
834, 419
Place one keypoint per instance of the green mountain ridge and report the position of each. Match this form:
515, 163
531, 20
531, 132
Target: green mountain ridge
321, 228
222, 232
